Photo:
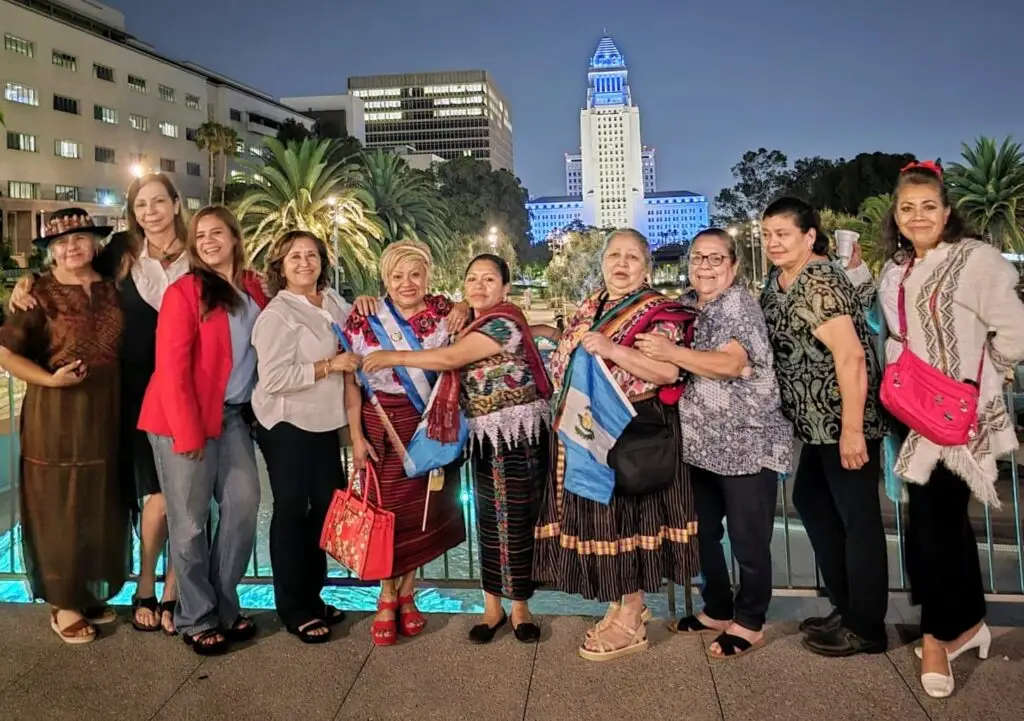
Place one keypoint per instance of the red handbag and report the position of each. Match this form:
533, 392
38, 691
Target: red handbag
942, 409
358, 534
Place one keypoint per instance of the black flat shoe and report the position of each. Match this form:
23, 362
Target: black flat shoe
527, 632
822, 624
843, 642
482, 633
241, 630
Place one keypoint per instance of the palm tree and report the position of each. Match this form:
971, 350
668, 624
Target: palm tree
870, 219
300, 187
406, 202
208, 138
228, 147
988, 189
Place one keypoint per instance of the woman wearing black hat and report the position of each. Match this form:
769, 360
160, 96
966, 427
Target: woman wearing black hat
66, 348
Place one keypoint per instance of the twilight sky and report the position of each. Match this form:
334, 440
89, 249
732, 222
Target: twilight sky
712, 80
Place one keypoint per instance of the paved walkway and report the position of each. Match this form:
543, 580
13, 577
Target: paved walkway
126, 676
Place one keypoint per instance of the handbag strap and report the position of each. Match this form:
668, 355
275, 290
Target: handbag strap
369, 481
932, 300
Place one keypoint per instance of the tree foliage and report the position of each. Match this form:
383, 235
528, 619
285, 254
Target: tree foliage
219, 141
575, 269
761, 176
479, 197
407, 204
849, 183
450, 267
305, 188
988, 189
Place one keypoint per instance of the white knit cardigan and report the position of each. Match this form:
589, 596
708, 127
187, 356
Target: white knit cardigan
975, 296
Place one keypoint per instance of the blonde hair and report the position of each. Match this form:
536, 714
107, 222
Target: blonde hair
402, 252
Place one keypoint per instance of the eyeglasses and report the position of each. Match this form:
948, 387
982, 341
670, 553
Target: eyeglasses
713, 259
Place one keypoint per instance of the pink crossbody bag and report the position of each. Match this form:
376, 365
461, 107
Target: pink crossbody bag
923, 398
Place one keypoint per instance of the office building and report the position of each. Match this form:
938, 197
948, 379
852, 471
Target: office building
612, 182
447, 114
347, 111
86, 104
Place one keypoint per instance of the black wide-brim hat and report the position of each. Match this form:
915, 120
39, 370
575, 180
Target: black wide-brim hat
67, 221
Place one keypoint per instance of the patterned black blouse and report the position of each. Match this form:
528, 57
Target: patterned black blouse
804, 366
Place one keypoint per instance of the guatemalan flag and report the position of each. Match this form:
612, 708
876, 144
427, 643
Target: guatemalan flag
594, 415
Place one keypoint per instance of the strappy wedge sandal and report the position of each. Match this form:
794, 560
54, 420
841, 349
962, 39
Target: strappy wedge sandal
606, 650
645, 616
72, 634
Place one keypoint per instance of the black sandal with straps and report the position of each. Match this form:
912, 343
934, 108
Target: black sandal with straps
168, 607
734, 646
305, 631
690, 625
150, 604
204, 644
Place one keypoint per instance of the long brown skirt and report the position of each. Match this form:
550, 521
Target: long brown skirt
75, 521
405, 497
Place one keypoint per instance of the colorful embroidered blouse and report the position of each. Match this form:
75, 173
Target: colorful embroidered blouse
430, 328
499, 393
634, 388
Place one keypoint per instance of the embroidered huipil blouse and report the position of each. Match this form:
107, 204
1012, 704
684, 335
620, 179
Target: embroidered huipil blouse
499, 393
430, 326
735, 427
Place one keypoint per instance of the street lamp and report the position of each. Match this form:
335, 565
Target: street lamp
492, 237
137, 170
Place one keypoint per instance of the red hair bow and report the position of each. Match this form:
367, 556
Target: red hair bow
929, 165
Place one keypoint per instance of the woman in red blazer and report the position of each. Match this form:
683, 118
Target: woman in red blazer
198, 417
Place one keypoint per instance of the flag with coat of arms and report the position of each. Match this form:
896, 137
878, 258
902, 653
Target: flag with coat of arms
593, 416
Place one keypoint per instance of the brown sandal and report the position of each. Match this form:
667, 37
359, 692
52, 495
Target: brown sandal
71, 634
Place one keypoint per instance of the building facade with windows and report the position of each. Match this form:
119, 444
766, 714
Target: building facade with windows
347, 111
612, 182
86, 105
447, 114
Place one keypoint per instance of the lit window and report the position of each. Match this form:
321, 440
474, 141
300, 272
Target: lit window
378, 104
66, 193
106, 196
256, 151
22, 191
63, 60
139, 122
371, 117
67, 149
240, 147
192, 101
237, 175
169, 130
102, 72
193, 203
167, 165
21, 141
21, 94
136, 84
104, 115
14, 44
166, 93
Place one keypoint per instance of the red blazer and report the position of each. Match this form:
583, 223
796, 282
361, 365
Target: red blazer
185, 396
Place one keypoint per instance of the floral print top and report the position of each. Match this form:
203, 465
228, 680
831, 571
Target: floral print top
430, 328
735, 427
804, 366
581, 323
499, 393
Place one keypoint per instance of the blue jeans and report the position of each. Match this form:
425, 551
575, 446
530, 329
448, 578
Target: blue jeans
208, 577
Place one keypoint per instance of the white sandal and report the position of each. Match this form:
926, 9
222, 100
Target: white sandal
606, 652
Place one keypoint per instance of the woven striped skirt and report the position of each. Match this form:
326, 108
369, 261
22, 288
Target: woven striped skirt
605, 552
509, 484
405, 497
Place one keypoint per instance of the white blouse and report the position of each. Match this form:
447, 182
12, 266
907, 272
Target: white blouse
152, 279
290, 336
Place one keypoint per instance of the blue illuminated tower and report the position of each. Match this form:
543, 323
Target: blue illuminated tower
610, 145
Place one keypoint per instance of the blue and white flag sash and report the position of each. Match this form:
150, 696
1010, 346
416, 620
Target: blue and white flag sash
394, 333
594, 415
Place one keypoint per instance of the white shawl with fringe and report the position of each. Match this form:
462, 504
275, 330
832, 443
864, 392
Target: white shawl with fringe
975, 296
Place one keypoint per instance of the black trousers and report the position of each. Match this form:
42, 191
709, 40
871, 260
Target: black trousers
842, 514
747, 504
942, 556
305, 469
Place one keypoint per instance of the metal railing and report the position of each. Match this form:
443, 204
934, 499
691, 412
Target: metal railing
1000, 546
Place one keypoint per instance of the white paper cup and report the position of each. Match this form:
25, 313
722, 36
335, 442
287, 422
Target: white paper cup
844, 243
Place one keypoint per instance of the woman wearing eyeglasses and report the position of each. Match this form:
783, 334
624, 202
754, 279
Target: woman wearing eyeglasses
735, 440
